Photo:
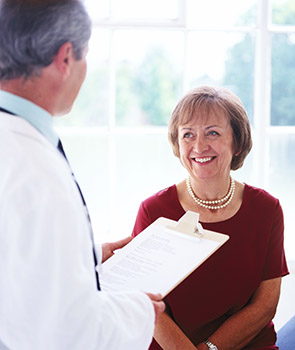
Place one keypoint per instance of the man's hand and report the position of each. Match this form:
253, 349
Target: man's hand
159, 305
109, 248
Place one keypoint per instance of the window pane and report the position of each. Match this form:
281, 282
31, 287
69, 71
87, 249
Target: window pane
148, 75
221, 13
88, 154
223, 59
283, 79
281, 180
283, 12
91, 106
246, 173
145, 9
145, 165
98, 9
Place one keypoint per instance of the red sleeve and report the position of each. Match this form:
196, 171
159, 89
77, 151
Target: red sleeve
275, 262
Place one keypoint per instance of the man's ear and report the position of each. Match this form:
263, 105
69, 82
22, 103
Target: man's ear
64, 58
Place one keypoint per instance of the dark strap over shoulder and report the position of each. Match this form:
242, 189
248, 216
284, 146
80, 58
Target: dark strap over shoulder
61, 149
6, 111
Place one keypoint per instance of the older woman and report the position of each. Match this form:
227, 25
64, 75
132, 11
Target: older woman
230, 300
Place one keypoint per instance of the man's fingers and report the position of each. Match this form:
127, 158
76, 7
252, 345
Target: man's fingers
159, 305
155, 297
121, 243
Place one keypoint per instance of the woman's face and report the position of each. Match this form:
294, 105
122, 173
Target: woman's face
206, 146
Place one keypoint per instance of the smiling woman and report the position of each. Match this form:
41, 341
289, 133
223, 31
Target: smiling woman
210, 133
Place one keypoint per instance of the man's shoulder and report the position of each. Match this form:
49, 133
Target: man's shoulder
26, 154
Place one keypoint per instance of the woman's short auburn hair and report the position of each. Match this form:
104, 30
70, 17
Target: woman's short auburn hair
205, 99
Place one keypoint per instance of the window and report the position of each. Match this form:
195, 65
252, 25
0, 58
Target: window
143, 56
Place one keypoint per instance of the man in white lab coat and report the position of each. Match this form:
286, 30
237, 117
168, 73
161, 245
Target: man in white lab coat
49, 294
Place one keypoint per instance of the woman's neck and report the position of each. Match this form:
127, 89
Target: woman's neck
211, 189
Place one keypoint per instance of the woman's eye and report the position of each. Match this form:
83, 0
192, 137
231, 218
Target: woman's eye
187, 135
213, 133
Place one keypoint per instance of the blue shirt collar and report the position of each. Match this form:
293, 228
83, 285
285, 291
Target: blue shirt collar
33, 114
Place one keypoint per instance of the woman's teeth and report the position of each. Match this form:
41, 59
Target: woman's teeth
203, 160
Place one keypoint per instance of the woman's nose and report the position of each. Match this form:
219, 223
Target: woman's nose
201, 145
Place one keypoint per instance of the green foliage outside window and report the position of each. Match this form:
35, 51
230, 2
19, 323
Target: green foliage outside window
239, 69
239, 72
146, 94
283, 67
284, 13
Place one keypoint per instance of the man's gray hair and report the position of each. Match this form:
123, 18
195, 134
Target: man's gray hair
32, 32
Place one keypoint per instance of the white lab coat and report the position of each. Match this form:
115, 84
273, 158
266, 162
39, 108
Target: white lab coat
48, 296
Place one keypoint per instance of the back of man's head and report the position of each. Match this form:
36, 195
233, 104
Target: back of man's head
32, 31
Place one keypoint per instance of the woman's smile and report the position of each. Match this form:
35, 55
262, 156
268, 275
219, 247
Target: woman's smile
203, 160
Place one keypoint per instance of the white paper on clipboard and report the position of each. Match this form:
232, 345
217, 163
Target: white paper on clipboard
161, 256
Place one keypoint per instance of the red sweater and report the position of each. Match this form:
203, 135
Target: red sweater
225, 283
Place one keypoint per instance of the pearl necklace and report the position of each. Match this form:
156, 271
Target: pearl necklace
210, 204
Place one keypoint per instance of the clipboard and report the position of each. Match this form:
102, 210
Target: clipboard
161, 256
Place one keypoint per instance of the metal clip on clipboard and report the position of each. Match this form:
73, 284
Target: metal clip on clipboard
189, 224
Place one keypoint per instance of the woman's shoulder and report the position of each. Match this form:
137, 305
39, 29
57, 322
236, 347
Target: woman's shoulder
259, 196
165, 195
164, 203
